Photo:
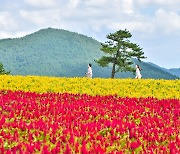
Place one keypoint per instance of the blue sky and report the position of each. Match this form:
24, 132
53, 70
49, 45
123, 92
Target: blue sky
154, 24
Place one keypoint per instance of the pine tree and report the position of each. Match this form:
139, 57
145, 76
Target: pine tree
120, 51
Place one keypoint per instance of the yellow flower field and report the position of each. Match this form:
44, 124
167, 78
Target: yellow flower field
97, 86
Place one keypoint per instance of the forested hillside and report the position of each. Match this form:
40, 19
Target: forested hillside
56, 52
49, 52
175, 71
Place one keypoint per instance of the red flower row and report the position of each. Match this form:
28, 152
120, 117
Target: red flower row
74, 123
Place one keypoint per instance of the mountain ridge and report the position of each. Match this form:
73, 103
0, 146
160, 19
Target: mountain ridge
173, 71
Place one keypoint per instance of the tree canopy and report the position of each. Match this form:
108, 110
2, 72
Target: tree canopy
120, 51
2, 70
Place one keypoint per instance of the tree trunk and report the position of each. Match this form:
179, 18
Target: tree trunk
113, 70
114, 65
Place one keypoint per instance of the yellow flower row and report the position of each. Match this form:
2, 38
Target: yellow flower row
97, 86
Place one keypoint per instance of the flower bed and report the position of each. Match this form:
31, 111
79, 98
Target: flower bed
121, 87
81, 123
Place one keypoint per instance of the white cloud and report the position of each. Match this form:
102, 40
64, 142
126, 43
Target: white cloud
138, 26
96, 1
95, 15
41, 18
158, 2
73, 4
34, 16
167, 21
128, 6
41, 3
7, 34
7, 22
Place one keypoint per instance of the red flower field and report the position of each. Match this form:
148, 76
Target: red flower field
74, 123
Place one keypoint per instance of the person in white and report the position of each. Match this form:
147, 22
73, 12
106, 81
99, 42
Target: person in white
89, 71
138, 73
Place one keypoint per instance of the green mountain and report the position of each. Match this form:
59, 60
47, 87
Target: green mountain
56, 52
175, 71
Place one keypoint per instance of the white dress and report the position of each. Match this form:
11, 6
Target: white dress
89, 72
138, 74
